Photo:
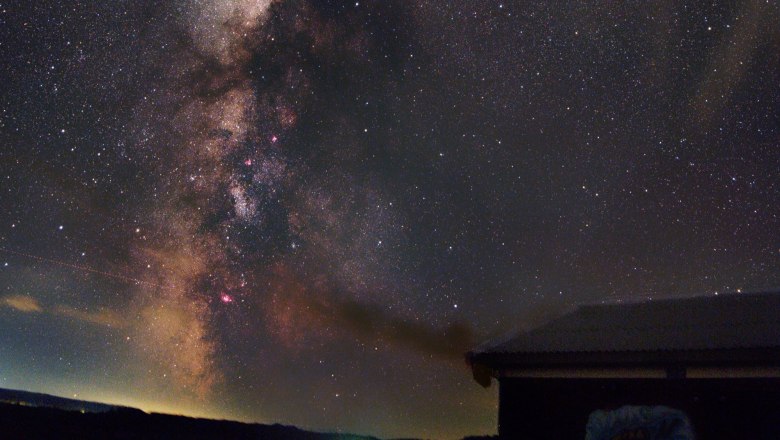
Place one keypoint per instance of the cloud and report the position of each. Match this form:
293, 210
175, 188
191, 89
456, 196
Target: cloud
22, 303
295, 314
103, 317
740, 46
373, 323
28, 304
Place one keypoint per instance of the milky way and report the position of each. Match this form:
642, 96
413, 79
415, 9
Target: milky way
306, 211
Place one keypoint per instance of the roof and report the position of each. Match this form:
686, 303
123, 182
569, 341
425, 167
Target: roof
724, 323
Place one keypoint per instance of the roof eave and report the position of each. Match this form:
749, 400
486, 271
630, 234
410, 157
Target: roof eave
764, 356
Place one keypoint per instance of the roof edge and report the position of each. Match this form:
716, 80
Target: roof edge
769, 356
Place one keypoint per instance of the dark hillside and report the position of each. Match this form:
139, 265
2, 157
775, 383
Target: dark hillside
25, 415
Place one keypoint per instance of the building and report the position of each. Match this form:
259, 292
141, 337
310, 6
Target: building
624, 369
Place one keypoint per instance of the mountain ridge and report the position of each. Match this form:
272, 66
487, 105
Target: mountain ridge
27, 414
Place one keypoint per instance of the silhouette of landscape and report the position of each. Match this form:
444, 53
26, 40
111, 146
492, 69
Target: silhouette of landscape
28, 415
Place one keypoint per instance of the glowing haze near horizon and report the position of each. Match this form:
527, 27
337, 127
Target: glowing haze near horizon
306, 211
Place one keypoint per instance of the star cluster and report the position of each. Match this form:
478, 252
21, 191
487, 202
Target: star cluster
306, 211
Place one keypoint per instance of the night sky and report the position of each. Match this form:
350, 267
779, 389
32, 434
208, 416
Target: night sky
306, 211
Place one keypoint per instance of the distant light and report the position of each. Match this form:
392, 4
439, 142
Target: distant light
225, 298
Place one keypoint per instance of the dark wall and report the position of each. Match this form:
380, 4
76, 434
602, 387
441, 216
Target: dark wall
717, 408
